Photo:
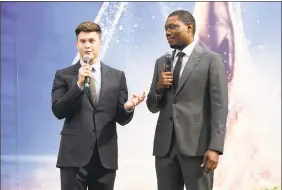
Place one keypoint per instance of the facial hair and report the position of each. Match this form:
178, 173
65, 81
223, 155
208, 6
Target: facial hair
177, 46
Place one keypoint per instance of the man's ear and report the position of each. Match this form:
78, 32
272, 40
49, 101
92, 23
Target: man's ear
189, 27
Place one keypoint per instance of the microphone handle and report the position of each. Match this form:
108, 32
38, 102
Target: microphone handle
87, 79
87, 82
168, 64
168, 68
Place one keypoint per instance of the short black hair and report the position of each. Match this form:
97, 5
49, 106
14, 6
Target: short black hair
185, 17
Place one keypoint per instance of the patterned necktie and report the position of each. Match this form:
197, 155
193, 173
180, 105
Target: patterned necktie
93, 89
176, 70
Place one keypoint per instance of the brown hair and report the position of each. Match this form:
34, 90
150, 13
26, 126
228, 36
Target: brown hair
88, 26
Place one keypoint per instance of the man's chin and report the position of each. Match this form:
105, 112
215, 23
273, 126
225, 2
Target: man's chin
174, 46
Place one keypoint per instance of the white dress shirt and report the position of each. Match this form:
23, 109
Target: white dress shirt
96, 72
187, 50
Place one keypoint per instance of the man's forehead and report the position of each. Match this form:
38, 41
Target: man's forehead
172, 19
88, 35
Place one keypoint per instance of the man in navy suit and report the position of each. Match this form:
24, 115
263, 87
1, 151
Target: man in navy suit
88, 154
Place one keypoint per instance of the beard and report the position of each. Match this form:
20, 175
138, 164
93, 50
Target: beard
177, 46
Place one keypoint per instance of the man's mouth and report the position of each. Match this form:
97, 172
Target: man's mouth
170, 39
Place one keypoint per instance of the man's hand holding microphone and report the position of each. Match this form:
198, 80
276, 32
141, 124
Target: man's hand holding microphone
84, 71
166, 76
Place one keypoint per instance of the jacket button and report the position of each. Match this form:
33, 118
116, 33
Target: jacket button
170, 118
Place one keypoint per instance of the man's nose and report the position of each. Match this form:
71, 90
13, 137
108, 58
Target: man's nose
87, 45
167, 33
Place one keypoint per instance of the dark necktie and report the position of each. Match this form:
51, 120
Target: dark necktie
93, 89
176, 70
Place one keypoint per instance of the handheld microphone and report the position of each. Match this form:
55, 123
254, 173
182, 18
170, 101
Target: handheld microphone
86, 60
168, 64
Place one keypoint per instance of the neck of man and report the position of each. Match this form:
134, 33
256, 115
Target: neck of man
189, 41
92, 61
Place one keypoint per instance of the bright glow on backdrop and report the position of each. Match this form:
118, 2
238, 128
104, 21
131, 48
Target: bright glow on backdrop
37, 38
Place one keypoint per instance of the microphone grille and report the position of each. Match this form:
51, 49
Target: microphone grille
168, 55
86, 58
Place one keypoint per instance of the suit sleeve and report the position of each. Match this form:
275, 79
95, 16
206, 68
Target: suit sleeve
154, 98
64, 101
123, 116
218, 89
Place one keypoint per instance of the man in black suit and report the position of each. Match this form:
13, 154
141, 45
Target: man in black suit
88, 149
192, 100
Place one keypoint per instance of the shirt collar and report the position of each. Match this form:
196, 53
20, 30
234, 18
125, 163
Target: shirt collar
187, 50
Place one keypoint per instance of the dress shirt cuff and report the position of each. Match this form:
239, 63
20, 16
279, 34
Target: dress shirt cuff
159, 93
80, 87
129, 111
218, 152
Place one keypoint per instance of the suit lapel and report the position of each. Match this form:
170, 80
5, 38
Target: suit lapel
191, 63
105, 81
170, 90
74, 81
75, 72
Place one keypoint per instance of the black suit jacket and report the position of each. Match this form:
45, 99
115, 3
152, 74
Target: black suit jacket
85, 124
